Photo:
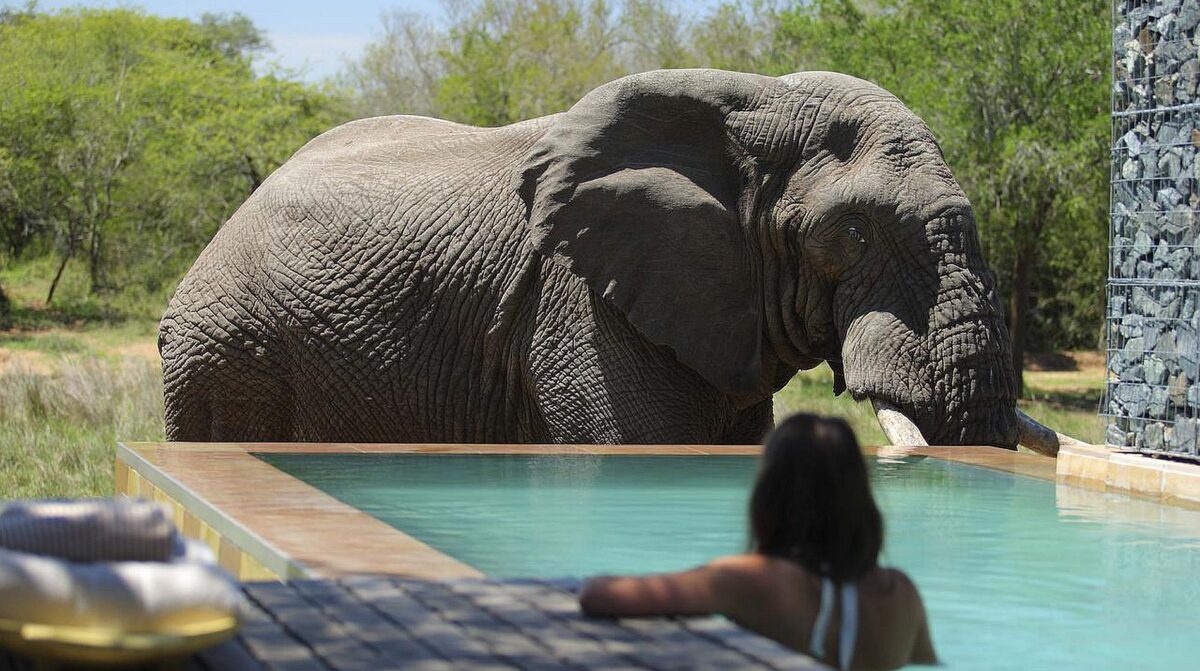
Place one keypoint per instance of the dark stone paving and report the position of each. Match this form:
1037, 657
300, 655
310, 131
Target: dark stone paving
381, 623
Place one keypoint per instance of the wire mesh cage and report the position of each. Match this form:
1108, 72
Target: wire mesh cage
1152, 396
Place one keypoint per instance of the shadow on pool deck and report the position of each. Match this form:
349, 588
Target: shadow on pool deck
367, 622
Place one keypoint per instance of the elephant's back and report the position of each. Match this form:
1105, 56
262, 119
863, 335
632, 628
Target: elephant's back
371, 203
405, 171
419, 141
393, 185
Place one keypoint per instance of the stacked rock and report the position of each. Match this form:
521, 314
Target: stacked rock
1153, 392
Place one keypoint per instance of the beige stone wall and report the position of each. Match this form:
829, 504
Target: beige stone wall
1100, 469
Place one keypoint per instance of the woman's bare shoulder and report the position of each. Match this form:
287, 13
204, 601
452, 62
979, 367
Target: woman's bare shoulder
744, 571
757, 574
890, 585
759, 592
757, 566
889, 579
740, 563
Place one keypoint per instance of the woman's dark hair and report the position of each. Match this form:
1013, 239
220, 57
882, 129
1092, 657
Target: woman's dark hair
812, 501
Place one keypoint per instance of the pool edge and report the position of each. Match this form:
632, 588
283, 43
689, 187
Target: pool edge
1098, 468
219, 495
265, 524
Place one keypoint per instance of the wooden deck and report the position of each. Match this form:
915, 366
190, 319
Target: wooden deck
371, 623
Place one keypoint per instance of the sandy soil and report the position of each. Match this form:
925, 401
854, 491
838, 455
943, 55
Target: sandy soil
44, 363
148, 350
1090, 361
13, 360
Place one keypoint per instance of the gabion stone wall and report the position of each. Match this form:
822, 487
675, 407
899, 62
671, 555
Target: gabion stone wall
1153, 391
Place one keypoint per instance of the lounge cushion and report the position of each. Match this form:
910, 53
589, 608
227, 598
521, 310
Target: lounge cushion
129, 595
90, 530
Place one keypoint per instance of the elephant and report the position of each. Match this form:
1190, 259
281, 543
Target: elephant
647, 267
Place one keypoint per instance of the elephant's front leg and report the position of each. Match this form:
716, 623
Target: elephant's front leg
597, 380
752, 424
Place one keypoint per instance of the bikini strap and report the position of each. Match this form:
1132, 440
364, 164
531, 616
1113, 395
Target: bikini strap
849, 624
816, 644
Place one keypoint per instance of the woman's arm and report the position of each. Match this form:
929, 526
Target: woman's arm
721, 586
686, 593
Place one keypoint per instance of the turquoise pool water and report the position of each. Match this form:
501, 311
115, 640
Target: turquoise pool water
1017, 573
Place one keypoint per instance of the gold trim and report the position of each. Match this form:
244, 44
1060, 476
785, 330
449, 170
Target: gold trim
108, 645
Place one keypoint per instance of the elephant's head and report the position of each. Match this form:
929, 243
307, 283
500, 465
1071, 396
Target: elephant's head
758, 225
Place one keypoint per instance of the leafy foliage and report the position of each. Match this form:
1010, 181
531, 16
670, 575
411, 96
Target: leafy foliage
498, 61
126, 139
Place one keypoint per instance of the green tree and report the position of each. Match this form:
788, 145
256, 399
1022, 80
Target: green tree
398, 73
126, 139
654, 35
740, 36
498, 61
508, 60
233, 35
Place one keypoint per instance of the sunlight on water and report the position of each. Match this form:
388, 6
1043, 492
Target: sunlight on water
1017, 573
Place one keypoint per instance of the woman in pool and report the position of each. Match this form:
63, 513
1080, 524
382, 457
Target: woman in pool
811, 581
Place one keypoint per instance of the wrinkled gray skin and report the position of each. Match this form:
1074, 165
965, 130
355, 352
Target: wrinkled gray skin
647, 267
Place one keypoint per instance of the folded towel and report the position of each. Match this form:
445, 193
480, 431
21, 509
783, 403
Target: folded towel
133, 596
91, 530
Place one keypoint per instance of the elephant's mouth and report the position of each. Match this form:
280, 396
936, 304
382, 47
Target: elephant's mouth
902, 431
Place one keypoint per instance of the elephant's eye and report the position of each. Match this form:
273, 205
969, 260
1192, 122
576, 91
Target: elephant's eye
841, 243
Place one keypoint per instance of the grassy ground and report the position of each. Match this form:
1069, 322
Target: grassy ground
68, 394
1067, 401
26, 283
59, 423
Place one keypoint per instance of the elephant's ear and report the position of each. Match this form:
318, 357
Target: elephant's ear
636, 189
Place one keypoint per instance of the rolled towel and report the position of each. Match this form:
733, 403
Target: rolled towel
90, 530
131, 596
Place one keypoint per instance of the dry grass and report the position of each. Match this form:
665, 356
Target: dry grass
58, 429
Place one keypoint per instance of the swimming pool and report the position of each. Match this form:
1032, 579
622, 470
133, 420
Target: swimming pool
1016, 572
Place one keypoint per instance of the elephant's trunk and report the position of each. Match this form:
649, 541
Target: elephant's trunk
951, 387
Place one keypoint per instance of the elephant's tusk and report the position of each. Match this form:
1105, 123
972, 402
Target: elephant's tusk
1039, 438
900, 430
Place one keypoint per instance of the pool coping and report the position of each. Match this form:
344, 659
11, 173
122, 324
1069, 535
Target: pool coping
263, 523
1100, 468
